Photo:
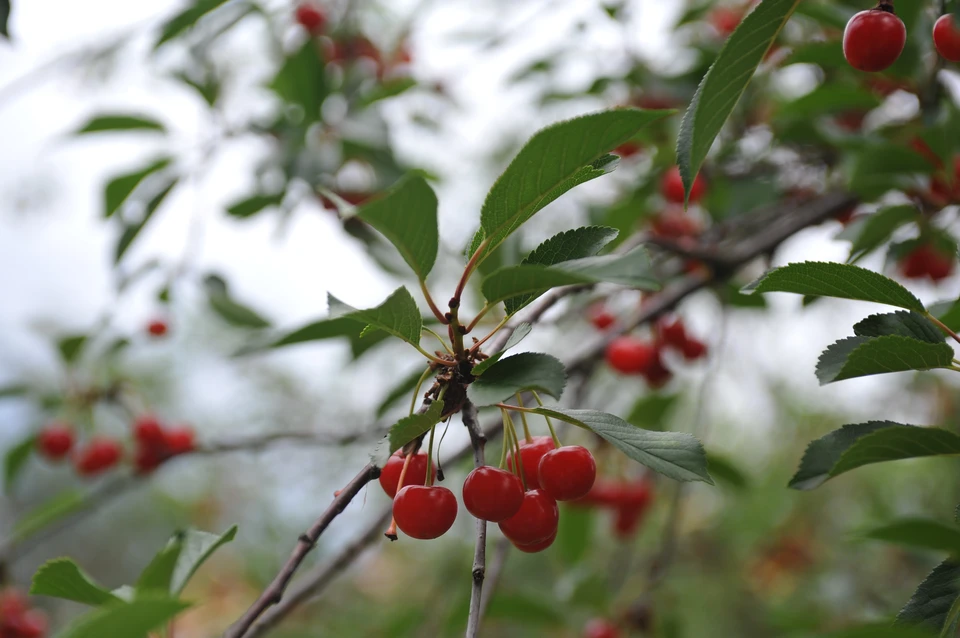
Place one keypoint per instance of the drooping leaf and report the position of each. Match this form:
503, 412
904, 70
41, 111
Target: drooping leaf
253, 204
876, 229
301, 81
410, 427
197, 547
398, 315
518, 373
902, 323
930, 604
676, 455
401, 390
15, 460
920, 534
127, 620
63, 578
855, 445
843, 281
186, 19
157, 575
120, 187
407, 216
725, 471
63, 504
71, 347
229, 309
112, 122
724, 83
516, 337
555, 160
650, 411
864, 356
131, 231
884, 166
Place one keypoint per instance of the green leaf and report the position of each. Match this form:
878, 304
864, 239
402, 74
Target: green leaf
63, 504
578, 243
518, 373
156, 577
573, 534
725, 82
410, 427
131, 231
864, 356
525, 608
877, 631
919, 533
401, 390
120, 187
724, 470
15, 460
4, 17
829, 98
398, 315
676, 455
127, 620
860, 444
843, 281
407, 216
197, 547
948, 312
386, 89
555, 160
881, 167
63, 578
71, 347
254, 204
531, 280
231, 311
650, 411
877, 228
516, 337
186, 19
930, 604
302, 81
10, 391
902, 323
111, 122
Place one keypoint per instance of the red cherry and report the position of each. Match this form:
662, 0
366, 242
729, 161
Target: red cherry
147, 459
629, 355
674, 223
600, 628
530, 454
100, 454
627, 521
926, 261
874, 39
533, 548
672, 187
628, 149
55, 441
600, 317
424, 512
536, 521
31, 624
671, 332
656, 373
148, 431
157, 328
694, 349
311, 18
492, 494
12, 603
946, 37
180, 440
725, 20
416, 473
568, 472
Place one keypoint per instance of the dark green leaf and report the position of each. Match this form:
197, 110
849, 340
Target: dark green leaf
401, 390
197, 548
724, 83
407, 216
62, 578
518, 373
156, 577
524, 608
63, 504
829, 98
877, 631
9, 391
516, 337
877, 228
930, 604
398, 315
855, 445
128, 620
919, 533
254, 204
231, 311
836, 280
131, 231
4, 17
119, 188
882, 167
186, 19
71, 347
676, 455
108, 122
724, 471
15, 460
827, 54
948, 312
651, 411
864, 356
903, 323
302, 81
410, 427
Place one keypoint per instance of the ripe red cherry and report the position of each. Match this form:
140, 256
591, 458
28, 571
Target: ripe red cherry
416, 473
674, 223
671, 332
600, 628
425, 512
311, 18
12, 603
656, 373
180, 440
946, 37
568, 472
157, 328
874, 39
600, 317
100, 454
672, 187
492, 494
533, 548
926, 261
30, 624
725, 20
530, 454
629, 355
536, 521
55, 441
147, 459
628, 149
148, 431
694, 349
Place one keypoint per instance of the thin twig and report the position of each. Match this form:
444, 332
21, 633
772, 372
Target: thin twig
494, 573
477, 441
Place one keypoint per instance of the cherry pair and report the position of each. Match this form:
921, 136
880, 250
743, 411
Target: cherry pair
17, 619
56, 440
156, 443
874, 39
632, 355
421, 511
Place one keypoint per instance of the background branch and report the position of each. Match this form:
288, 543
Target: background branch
477, 442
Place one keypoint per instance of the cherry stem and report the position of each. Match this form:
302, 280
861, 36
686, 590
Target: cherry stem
416, 392
523, 418
553, 433
433, 306
943, 327
440, 339
503, 453
403, 471
433, 359
473, 324
469, 268
500, 325
429, 478
517, 460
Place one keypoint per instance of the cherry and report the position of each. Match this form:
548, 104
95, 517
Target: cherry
694, 349
536, 520
180, 440
416, 473
600, 317
157, 328
674, 224
533, 548
148, 431
100, 454
600, 628
568, 472
656, 373
946, 37
629, 355
627, 521
671, 332
492, 494
628, 149
874, 39
672, 187
927, 261
12, 603
55, 441
311, 18
725, 20
30, 624
147, 459
530, 454
424, 512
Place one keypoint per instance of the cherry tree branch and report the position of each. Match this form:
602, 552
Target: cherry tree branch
494, 573
477, 442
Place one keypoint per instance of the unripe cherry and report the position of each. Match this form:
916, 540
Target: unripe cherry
946, 37
530, 454
874, 39
568, 472
55, 441
537, 519
672, 187
416, 473
492, 494
424, 512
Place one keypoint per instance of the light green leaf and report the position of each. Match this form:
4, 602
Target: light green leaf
131, 231
676, 455
844, 281
407, 216
948, 312
112, 122
15, 460
120, 187
516, 337
518, 373
860, 444
197, 548
230, 310
902, 323
398, 315
876, 631
919, 533
573, 535
252, 205
186, 19
724, 83
16, 390
302, 81
410, 427
156, 577
63, 578
930, 604
126, 620
864, 356
63, 504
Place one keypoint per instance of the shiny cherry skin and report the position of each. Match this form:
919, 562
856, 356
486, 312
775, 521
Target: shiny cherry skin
530, 454
180, 440
630, 355
672, 187
416, 473
536, 521
533, 548
946, 37
600, 628
55, 441
311, 18
568, 472
424, 512
492, 494
99, 455
873, 40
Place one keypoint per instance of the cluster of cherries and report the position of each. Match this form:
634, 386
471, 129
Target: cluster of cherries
522, 498
155, 444
874, 39
18, 619
632, 355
